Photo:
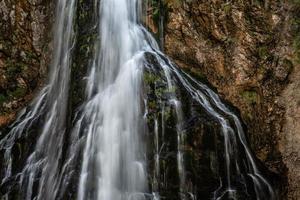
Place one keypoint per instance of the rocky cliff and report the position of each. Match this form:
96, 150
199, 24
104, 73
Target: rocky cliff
248, 51
24, 48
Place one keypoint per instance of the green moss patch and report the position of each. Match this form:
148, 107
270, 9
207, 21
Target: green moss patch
3, 99
250, 96
18, 92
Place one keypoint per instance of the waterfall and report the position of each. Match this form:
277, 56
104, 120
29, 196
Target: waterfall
49, 111
130, 138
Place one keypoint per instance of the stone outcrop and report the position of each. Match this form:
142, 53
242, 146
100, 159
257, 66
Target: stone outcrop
24, 52
248, 51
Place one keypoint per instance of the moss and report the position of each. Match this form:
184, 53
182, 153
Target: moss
249, 116
18, 92
167, 113
31, 56
12, 69
3, 98
258, 3
86, 36
152, 105
263, 52
150, 78
251, 97
227, 8
296, 46
157, 91
288, 65
172, 89
297, 2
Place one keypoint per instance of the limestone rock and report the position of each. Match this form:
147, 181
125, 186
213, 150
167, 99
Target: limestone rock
248, 51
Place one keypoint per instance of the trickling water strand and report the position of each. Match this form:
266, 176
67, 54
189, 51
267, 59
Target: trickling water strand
255, 174
156, 145
180, 144
48, 150
180, 136
230, 136
51, 103
259, 181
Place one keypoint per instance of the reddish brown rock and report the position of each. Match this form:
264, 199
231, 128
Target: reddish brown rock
245, 49
24, 39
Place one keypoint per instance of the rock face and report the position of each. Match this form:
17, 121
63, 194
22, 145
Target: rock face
249, 51
24, 39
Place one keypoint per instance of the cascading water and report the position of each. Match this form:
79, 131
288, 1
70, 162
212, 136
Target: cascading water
48, 111
132, 136
113, 147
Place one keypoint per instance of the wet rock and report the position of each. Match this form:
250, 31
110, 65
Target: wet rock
248, 51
